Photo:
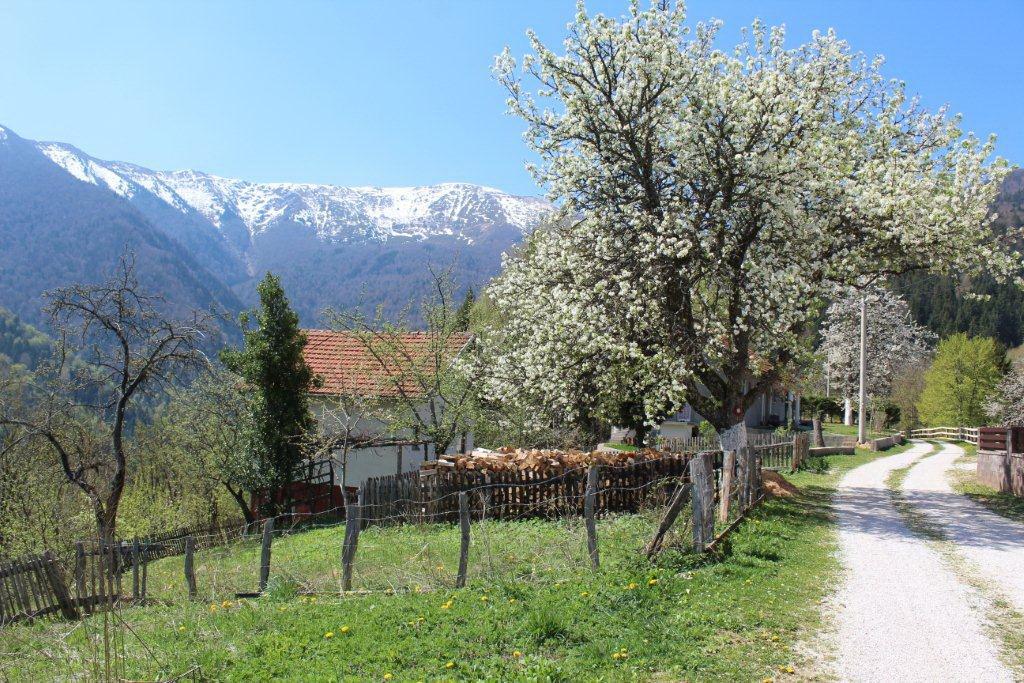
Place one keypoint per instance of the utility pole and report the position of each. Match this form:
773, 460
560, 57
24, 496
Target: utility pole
862, 432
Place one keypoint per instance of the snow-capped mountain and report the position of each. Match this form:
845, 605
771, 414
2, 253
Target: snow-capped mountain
332, 246
335, 214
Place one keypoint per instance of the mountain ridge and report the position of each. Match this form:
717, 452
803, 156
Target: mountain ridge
333, 246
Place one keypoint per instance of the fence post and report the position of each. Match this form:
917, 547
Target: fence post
589, 503
724, 494
353, 514
703, 501
135, 568
675, 505
460, 581
268, 538
80, 590
60, 589
190, 571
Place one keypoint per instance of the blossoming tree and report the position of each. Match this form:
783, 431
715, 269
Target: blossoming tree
709, 200
894, 341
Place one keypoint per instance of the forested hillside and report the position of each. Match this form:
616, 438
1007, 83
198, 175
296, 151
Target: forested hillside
21, 343
943, 305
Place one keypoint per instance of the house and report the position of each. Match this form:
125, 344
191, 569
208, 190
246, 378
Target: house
771, 409
355, 385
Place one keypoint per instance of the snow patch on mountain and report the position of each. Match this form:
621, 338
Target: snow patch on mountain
334, 213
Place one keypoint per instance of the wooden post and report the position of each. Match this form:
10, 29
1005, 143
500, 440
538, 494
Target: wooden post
675, 506
268, 538
725, 490
353, 514
589, 503
460, 581
60, 589
80, 588
190, 571
398, 464
135, 569
703, 501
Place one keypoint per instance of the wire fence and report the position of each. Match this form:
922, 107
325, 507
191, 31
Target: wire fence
411, 533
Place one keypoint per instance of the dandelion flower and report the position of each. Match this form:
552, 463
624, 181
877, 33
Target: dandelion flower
388, 676
584, 594
329, 634
345, 629
450, 665
631, 586
517, 653
181, 628
652, 582
484, 598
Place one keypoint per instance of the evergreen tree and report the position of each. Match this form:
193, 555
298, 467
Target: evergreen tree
465, 311
960, 380
272, 365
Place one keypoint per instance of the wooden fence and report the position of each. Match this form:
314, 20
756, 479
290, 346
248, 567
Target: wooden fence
96, 575
968, 434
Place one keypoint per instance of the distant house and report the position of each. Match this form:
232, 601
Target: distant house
351, 376
771, 409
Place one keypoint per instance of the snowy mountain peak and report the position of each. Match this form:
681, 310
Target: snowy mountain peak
333, 213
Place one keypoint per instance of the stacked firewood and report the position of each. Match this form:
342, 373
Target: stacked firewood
538, 460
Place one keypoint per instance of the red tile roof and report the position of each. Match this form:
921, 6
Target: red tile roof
346, 366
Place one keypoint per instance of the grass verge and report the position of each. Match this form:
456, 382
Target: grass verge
966, 483
733, 617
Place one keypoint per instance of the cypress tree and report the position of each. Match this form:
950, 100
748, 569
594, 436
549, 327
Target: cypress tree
272, 365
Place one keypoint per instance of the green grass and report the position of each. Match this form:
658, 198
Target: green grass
533, 610
966, 482
629, 448
848, 430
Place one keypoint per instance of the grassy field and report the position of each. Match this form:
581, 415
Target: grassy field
966, 482
533, 610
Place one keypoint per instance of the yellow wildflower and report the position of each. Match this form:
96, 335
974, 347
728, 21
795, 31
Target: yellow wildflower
450, 665
181, 628
652, 582
388, 676
631, 586
345, 629
329, 634
584, 594
517, 653
484, 598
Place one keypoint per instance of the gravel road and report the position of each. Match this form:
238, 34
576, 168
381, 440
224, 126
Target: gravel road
993, 543
901, 615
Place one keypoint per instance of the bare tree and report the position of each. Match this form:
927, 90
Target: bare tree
125, 349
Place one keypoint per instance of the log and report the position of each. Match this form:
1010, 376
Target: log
268, 538
675, 506
589, 503
460, 581
190, 571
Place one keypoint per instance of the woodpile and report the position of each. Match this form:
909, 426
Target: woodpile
538, 460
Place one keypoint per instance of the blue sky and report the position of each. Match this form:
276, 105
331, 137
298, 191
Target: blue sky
399, 92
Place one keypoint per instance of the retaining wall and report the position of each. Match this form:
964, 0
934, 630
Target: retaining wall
1002, 471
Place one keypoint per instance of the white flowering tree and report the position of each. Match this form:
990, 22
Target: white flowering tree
709, 200
1006, 405
894, 341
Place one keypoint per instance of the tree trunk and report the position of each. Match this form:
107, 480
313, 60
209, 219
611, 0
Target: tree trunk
817, 437
848, 411
245, 507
